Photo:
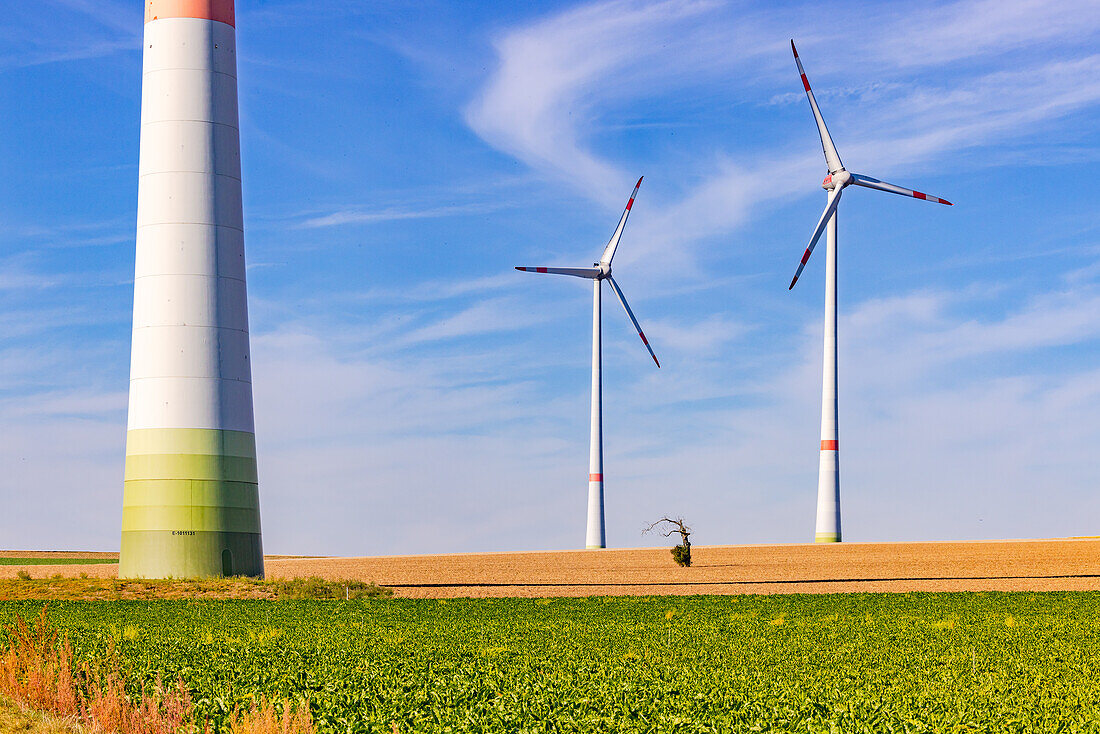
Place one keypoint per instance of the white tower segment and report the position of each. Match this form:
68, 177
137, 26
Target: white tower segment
828, 478
827, 529
190, 505
595, 533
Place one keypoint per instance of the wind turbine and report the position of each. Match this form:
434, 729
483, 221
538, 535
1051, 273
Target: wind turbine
595, 536
828, 481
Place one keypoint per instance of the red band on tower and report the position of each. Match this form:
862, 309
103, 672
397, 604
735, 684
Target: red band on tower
219, 10
595, 477
828, 445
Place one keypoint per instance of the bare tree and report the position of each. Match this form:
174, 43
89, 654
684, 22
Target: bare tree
681, 553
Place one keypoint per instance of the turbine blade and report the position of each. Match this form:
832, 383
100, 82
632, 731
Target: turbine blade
609, 251
622, 300
830, 209
874, 183
832, 158
590, 273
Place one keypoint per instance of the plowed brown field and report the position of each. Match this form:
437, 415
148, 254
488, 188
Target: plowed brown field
1012, 565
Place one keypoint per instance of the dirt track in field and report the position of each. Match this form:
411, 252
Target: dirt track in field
1015, 565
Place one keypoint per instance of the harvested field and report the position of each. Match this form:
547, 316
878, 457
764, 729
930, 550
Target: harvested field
1011, 565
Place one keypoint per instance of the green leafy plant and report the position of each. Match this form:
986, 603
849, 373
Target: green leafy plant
915, 662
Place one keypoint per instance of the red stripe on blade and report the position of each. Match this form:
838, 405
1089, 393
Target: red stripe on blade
806, 82
919, 195
629, 204
540, 270
828, 445
644, 340
806, 256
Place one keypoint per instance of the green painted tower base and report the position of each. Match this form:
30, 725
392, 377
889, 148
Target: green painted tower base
158, 554
827, 538
191, 505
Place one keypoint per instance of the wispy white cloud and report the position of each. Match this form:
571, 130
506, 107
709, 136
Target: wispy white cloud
560, 76
935, 334
55, 31
442, 289
701, 339
981, 110
353, 216
553, 74
978, 29
462, 449
113, 14
459, 442
485, 317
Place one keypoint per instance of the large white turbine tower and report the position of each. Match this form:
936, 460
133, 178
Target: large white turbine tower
828, 482
190, 503
596, 535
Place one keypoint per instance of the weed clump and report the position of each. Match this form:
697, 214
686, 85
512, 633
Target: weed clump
315, 587
39, 671
682, 555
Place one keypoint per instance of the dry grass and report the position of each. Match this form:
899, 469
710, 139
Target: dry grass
309, 587
40, 675
17, 720
38, 672
268, 719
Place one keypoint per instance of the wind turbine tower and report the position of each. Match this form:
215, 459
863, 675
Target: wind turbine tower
596, 534
190, 502
838, 178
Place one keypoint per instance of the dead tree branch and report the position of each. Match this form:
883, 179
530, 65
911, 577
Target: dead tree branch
682, 552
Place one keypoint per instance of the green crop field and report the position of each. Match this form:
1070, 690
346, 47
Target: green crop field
831, 663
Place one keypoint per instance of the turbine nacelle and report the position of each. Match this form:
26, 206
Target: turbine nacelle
604, 268
837, 180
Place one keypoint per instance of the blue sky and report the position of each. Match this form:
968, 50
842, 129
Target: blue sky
415, 394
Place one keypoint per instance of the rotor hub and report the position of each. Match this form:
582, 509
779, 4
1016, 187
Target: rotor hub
837, 180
